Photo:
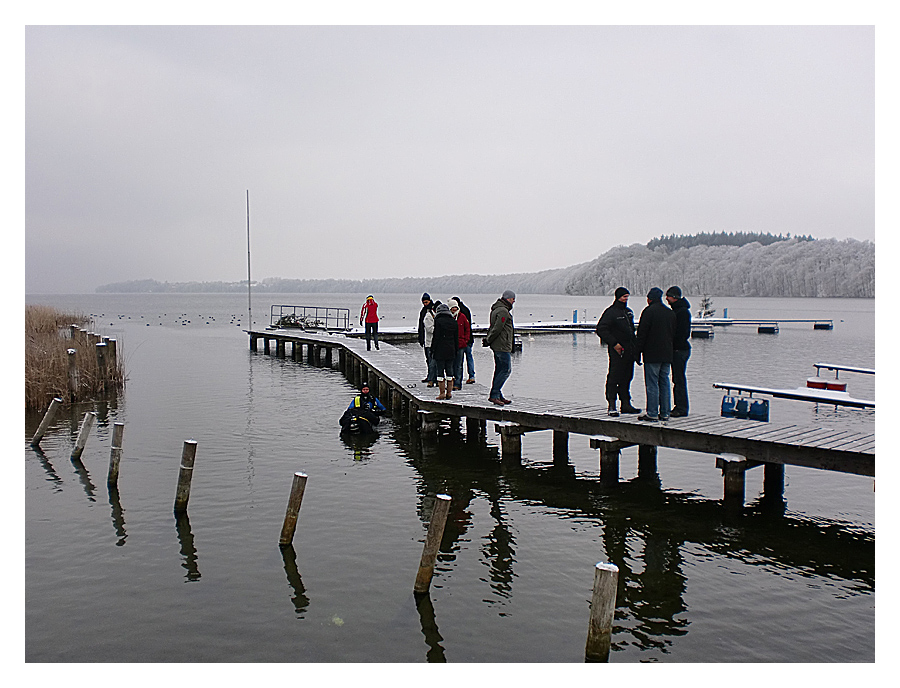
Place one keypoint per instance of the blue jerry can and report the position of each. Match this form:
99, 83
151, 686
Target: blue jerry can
742, 410
759, 410
728, 404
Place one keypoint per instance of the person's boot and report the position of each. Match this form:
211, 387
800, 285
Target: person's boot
443, 394
628, 408
449, 385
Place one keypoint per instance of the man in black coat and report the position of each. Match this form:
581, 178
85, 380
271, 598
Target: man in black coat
681, 350
616, 329
655, 333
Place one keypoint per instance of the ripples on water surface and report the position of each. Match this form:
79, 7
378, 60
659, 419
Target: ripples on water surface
114, 577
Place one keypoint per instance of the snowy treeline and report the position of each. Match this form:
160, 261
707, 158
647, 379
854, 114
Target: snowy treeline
794, 267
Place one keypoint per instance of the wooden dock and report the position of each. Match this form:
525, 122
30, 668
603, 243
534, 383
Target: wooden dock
738, 445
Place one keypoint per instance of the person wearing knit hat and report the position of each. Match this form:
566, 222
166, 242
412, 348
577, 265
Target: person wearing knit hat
500, 337
655, 333
444, 344
469, 358
369, 317
616, 330
424, 339
681, 350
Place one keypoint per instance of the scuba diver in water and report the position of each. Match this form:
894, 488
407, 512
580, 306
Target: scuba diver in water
362, 415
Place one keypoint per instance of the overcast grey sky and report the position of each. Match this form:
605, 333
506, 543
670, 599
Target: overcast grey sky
414, 151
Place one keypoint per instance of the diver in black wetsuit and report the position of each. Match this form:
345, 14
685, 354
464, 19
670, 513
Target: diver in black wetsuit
362, 416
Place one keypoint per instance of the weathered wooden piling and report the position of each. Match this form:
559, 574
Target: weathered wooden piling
73, 373
432, 542
101, 363
183, 491
83, 432
647, 461
603, 607
112, 353
115, 454
46, 421
293, 509
560, 445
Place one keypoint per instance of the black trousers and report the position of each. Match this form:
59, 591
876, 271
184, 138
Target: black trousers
618, 378
371, 330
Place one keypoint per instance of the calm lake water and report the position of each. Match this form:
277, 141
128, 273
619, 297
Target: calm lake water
113, 577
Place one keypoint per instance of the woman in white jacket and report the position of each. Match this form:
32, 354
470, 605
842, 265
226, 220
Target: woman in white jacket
428, 323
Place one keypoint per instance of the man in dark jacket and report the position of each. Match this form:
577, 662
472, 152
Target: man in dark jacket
616, 329
500, 337
655, 333
681, 350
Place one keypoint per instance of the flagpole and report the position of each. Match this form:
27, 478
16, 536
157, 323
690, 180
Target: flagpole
249, 300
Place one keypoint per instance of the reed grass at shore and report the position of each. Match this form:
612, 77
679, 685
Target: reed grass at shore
48, 338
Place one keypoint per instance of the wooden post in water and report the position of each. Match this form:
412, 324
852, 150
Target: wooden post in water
45, 422
293, 509
396, 403
603, 607
112, 359
432, 542
734, 467
329, 361
647, 461
101, 363
560, 445
115, 454
183, 491
85, 430
73, 374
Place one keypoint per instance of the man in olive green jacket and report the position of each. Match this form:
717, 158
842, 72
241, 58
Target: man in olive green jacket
499, 337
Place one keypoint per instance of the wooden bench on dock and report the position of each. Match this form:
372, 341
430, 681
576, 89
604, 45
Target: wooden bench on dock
739, 445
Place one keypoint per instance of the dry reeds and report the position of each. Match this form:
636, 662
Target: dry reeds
48, 337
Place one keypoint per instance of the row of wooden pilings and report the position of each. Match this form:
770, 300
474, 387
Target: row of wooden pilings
606, 575
106, 352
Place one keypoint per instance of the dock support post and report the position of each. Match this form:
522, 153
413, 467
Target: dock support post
610, 449
328, 357
511, 439
413, 415
83, 433
430, 422
603, 607
265, 345
183, 491
115, 454
647, 469
733, 467
253, 339
357, 373
342, 360
396, 403
474, 428
560, 445
293, 509
279, 348
432, 543
310, 354
46, 421
773, 481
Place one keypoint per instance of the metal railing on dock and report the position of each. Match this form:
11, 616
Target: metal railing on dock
310, 318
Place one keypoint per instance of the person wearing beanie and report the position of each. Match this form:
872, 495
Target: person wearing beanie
681, 350
427, 309
616, 329
469, 358
369, 316
500, 337
465, 338
443, 349
655, 334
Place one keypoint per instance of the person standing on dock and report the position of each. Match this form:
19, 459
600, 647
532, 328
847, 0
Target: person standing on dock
443, 349
681, 350
655, 334
427, 313
500, 337
470, 359
465, 340
369, 316
616, 329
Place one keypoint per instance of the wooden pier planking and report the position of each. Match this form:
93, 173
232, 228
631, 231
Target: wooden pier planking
792, 444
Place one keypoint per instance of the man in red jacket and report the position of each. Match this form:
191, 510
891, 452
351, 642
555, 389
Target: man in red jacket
369, 316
